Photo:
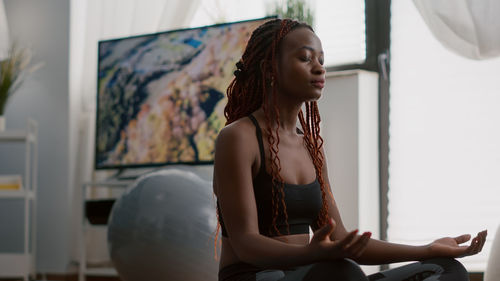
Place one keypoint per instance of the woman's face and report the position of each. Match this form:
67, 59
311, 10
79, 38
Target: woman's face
301, 74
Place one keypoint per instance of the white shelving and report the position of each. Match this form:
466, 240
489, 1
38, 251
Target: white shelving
105, 271
17, 194
86, 188
23, 264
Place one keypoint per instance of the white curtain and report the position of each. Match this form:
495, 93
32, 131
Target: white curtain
91, 21
4, 33
469, 28
444, 157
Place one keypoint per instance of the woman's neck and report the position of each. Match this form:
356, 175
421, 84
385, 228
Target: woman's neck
287, 118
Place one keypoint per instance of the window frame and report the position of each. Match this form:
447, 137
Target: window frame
377, 32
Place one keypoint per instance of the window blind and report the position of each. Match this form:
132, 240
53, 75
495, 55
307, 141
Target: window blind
341, 27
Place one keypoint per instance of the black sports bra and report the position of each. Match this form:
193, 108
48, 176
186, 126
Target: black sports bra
303, 202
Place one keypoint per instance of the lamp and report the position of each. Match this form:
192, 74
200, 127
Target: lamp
4, 33
467, 27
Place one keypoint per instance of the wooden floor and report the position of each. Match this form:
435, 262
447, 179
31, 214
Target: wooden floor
56, 277
476, 276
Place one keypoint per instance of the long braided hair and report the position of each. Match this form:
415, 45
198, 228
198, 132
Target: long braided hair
255, 75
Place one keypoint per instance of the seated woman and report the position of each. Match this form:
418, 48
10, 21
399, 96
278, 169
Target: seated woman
271, 180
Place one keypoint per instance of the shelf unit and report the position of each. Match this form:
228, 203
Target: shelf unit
23, 264
84, 270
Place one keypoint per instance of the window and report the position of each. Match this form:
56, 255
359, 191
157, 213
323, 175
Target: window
444, 154
340, 25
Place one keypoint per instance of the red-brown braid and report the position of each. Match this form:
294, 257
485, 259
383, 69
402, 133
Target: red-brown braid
250, 90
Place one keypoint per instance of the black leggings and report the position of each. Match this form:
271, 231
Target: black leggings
347, 270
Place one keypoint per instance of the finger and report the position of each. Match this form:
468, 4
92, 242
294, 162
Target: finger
360, 239
357, 248
468, 249
347, 239
324, 231
473, 246
462, 238
484, 233
462, 251
480, 242
360, 249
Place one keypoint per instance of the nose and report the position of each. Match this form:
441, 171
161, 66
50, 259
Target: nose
319, 69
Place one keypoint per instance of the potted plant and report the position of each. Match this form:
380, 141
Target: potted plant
13, 70
295, 9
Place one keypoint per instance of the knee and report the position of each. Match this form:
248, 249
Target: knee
344, 269
451, 267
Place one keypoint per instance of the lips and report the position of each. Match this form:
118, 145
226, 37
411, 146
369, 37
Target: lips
318, 83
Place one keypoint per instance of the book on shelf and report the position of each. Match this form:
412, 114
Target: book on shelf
10, 182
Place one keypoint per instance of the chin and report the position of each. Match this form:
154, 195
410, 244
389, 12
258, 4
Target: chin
314, 97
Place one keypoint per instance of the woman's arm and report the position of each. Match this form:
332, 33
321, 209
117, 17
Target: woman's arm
382, 252
235, 154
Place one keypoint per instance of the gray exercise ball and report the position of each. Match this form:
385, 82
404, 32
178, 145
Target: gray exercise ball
162, 228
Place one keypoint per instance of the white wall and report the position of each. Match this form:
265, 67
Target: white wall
349, 113
43, 25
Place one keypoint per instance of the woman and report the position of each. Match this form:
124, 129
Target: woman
271, 180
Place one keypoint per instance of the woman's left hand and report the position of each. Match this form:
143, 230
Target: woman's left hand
450, 247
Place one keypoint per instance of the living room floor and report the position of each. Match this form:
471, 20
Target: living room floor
475, 276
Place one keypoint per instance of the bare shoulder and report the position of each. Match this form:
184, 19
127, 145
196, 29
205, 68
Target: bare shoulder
236, 144
235, 152
239, 133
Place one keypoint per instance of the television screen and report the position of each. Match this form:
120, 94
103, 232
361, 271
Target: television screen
161, 97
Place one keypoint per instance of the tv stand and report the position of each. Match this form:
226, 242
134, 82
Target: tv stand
131, 173
114, 186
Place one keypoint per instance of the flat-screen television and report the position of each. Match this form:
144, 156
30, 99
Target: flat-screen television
161, 97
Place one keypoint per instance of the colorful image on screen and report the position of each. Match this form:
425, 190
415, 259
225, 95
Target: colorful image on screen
161, 97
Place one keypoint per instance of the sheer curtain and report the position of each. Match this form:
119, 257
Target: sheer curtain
94, 20
444, 155
216, 11
4, 33
466, 27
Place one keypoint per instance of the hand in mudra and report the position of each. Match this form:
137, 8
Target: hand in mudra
450, 247
351, 246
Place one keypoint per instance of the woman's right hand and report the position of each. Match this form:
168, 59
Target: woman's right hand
351, 246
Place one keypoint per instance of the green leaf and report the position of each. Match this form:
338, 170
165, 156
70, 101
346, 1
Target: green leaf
295, 9
13, 70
